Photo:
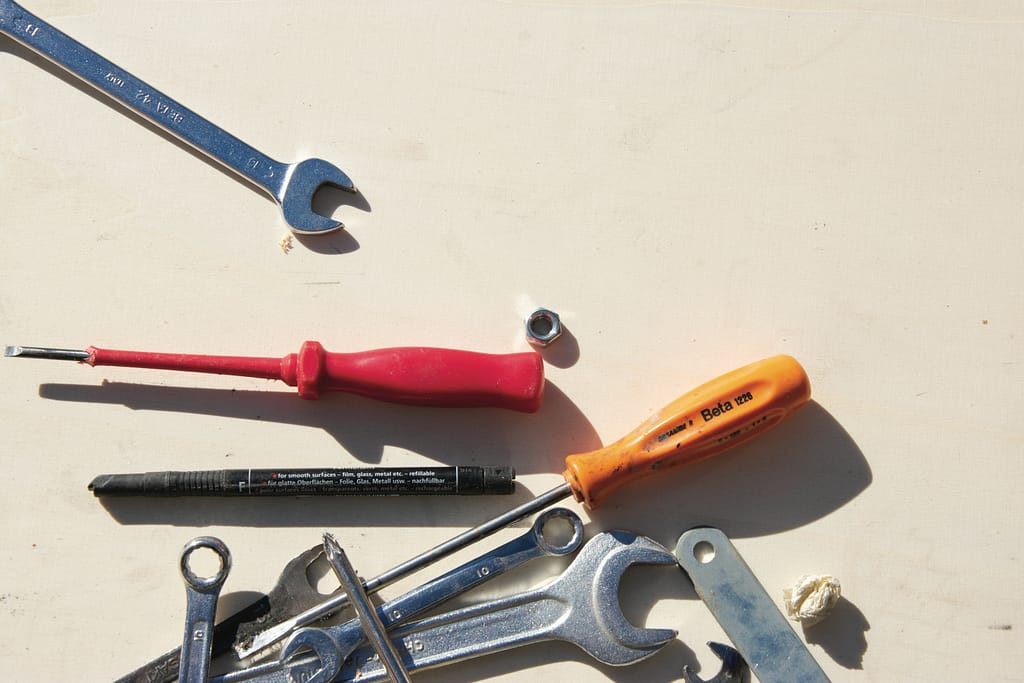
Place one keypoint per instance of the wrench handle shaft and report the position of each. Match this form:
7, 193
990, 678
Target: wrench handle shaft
142, 98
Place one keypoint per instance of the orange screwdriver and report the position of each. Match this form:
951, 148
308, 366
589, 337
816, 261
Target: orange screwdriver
700, 424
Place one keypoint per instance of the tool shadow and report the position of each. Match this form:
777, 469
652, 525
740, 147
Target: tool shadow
326, 201
532, 443
802, 470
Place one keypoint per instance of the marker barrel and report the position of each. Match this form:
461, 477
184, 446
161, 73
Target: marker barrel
371, 481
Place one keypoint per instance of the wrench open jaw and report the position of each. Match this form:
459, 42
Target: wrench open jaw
732, 671
324, 647
302, 181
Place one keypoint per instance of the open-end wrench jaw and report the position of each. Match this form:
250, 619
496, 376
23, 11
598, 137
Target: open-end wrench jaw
324, 646
302, 180
732, 671
621, 550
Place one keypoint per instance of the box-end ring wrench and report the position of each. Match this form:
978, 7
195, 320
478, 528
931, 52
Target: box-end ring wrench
581, 606
201, 609
744, 609
344, 638
291, 185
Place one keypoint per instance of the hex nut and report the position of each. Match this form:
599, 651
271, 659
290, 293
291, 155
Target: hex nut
543, 327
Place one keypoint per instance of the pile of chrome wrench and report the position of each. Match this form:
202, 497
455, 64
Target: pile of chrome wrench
580, 606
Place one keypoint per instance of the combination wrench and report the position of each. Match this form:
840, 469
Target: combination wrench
331, 645
291, 185
581, 606
201, 609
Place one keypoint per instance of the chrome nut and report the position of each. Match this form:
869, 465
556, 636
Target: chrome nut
543, 327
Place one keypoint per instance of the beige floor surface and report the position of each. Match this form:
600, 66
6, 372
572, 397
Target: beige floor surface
692, 186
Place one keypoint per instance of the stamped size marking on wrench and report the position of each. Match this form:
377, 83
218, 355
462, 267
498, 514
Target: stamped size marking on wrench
201, 609
291, 185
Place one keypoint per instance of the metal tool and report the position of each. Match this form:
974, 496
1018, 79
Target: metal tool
292, 593
414, 375
543, 327
744, 609
201, 609
733, 666
345, 638
708, 420
373, 628
291, 185
581, 606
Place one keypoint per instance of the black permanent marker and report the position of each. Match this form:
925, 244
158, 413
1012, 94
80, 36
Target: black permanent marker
369, 481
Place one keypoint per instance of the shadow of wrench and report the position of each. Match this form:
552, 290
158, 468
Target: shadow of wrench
291, 185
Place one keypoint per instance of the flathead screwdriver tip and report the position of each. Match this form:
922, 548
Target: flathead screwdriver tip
50, 354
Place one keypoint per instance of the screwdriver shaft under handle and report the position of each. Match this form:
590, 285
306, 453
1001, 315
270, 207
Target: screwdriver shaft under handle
414, 375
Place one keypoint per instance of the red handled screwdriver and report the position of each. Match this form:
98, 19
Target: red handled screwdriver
415, 375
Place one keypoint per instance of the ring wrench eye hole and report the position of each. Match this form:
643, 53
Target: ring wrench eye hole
558, 531
217, 556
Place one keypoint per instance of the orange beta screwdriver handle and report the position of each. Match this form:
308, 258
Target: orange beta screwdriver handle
713, 417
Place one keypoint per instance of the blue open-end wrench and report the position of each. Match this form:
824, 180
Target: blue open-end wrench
291, 185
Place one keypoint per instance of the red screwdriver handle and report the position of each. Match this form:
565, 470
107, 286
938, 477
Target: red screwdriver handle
415, 375
420, 376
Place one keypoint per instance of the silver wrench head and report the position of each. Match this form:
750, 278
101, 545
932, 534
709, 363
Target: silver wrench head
321, 643
205, 584
296, 198
591, 586
733, 666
